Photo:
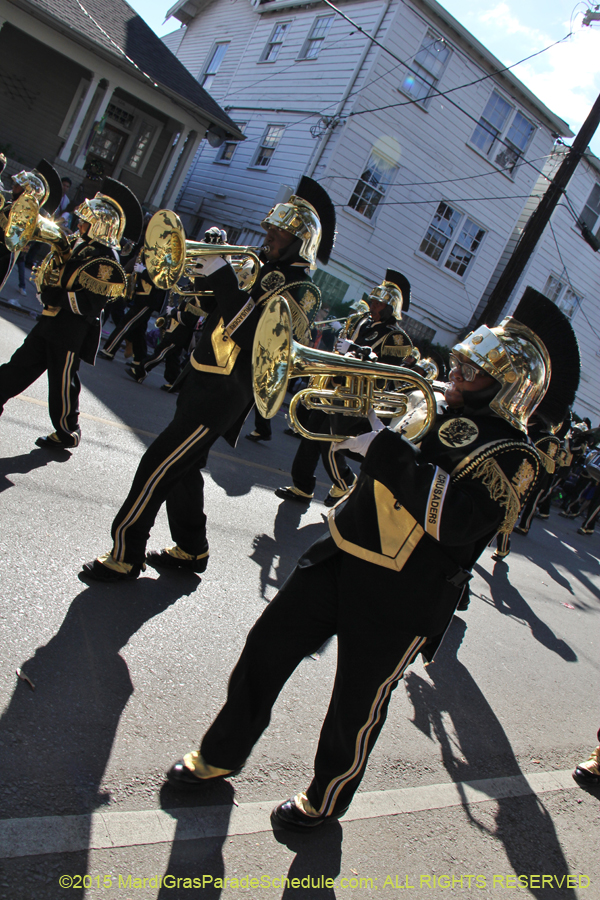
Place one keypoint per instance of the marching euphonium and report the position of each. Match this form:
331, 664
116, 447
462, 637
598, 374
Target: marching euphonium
277, 358
168, 255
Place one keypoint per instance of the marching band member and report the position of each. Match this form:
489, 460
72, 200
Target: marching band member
376, 336
401, 546
82, 279
216, 389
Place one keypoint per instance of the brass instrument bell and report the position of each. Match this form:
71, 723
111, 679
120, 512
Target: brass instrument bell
168, 255
277, 357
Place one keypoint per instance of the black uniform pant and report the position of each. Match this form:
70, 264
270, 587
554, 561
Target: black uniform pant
168, 350
35, 356
262, 426
593, 509
334, 596
310, 452
169, 471
132, 328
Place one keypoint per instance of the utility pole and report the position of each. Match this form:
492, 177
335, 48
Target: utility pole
535, 225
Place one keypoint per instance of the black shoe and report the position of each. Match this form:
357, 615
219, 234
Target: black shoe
180, 776
567, 515
290, 493
162, 559
166, 387
99, 572
589, 772
290, 816
49, 443
518, 530
291, 433
255, 437
104, 355
585, 530
135, 376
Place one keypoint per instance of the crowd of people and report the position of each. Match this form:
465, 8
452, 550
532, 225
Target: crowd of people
409, 525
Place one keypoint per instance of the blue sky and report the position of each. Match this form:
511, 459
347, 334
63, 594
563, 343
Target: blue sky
566, 77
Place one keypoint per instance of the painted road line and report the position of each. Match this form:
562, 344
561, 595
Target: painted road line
100, 831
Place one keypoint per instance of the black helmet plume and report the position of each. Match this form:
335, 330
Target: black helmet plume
129, 203
402, 282
549, 323
54, 183
317, 196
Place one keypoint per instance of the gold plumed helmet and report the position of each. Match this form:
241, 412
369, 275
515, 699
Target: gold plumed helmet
298, 217
517, 358
33, 184
309, 215
394, 290
534, 357
106, 219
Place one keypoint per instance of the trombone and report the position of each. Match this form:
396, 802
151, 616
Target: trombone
168, 255
276, 358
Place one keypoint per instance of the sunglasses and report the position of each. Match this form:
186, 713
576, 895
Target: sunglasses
468, 371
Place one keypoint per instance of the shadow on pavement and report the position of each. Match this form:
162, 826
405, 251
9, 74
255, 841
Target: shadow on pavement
478, 748
27, 462
508, 601
276, 556
55, 741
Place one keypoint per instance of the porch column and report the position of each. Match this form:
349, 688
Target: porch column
188, 153
79, 119
83, 150
164, 177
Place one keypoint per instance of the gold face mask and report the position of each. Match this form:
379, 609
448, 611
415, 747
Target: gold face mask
299, 218
106, 219
516, 357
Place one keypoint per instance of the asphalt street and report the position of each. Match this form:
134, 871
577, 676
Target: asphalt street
468, 788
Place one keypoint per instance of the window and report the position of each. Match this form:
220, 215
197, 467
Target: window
591, 211
225, 153
315, 39
141, 146
212, 67
503, 133
452, 239
271, 51
563, 295
427, 67
268, 144
372, 185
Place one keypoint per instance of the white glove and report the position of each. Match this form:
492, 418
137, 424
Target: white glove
374, 421
343, 346
359, 444
139, 267
207, 266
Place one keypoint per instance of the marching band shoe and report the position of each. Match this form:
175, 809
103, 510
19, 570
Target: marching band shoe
293, 493
256, 437
518, 530
135, 376
583, 530
166, 387
291, 816
102, 569
589, 772
291, 433
176, 558
104, 355
539, 515
193, 772
567, 515
53, 443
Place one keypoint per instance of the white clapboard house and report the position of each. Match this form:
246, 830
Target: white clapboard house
431, 152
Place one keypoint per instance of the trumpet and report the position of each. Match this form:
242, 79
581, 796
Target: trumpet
168, 255
276, 358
